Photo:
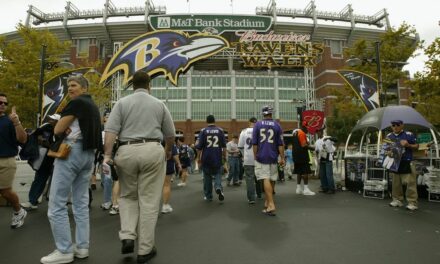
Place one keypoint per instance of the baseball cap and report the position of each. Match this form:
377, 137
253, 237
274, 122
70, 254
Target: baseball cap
267, 110
397, 122
253, 120
55, 117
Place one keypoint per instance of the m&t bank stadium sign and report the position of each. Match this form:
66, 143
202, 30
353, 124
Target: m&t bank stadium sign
216, 24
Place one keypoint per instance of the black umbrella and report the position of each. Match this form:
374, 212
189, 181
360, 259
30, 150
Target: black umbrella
381, 118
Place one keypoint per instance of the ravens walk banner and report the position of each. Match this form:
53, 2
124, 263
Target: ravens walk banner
55, 92
163, 51
365, 87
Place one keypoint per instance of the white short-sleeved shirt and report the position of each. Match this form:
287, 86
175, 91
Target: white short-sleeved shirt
245, 142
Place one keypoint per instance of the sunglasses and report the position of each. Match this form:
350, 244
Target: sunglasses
3, 103
396, 125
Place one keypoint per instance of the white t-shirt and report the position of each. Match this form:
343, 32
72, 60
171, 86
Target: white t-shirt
75, 130
245, 142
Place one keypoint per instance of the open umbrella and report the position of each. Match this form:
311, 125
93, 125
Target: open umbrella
381, 118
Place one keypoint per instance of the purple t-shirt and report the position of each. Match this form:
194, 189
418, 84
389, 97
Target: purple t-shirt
268, 136
211, 141
171, 164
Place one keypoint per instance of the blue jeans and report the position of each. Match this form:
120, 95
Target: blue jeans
208, 173
40, 180
249, 172
326, 175
234, 169
71, 176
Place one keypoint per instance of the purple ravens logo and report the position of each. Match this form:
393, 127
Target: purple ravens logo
163, 51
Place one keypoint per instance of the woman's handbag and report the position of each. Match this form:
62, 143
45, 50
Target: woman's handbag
62, 152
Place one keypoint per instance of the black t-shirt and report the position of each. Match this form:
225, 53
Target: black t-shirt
87, 113
8, 138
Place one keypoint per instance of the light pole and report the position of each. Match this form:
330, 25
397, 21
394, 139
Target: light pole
41, 83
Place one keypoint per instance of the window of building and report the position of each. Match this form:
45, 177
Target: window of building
82, 48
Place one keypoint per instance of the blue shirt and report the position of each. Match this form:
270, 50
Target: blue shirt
8, 138
404, 135
268, 136
211, 141
289, 156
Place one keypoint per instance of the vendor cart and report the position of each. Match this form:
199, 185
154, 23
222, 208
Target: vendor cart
363, 171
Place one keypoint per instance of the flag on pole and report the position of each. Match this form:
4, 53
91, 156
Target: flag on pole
364, 86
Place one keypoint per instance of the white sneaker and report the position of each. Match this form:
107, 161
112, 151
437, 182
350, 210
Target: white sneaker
412, 207
18, 218
80, 252
181, 184
28, 206
57, 257
114, 210
166, 208
106, 206
307, 191
396, 203
299, 190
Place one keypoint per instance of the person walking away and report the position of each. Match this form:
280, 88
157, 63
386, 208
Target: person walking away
405, 175
289, 162
184, 160
245, 145
211, 148
324, 148
302, 160
80, 125
171, 167
233, 161
11, 134
141, 122
267, 141
45, 137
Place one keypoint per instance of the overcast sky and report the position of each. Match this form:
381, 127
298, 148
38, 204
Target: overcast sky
423, 14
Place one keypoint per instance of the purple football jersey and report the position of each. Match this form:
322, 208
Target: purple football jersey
211, 141
268, 136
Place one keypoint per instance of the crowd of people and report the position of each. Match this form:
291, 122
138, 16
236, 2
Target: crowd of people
138, 155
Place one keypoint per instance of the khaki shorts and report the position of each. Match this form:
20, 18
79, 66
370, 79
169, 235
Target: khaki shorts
266, 171
8, 167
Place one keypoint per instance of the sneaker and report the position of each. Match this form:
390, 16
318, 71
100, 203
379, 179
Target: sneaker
181, 184
114, 210
57, 257
18, 218
166, 208
28, 206
307, 191
80, 253
221, 196
251, 202
299, 190
106, 206
396, 203
412, 207
207, 199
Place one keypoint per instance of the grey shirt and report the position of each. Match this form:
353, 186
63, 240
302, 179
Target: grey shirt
139, 116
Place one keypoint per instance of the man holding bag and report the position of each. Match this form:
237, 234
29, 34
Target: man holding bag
80, 123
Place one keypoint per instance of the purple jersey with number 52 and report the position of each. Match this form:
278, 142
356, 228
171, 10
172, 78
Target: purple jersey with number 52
268, 136
211, 141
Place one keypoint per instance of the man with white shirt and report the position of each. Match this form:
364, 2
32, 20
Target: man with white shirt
245, 145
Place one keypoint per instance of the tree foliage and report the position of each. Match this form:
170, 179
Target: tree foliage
426, 85
396, 47
20, 70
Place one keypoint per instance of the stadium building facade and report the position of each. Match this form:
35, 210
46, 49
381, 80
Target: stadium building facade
229, 85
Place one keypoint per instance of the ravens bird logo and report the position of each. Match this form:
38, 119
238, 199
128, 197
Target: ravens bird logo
163, 51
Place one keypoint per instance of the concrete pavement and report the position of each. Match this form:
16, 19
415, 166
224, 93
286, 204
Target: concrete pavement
340, 228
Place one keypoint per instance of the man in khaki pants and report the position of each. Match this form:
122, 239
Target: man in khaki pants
140, 121
405, 174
